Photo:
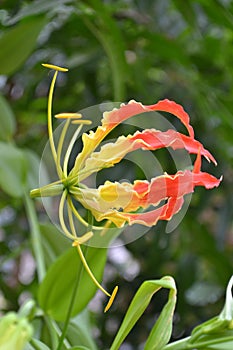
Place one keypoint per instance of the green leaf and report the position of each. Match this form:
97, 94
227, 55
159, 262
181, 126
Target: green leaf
161, 332
18, 42
80, 348
186, 10
7, 120
79, 331
36, 344
36, 8
13, 169
58, 285
54, 242
33, 164
109, 35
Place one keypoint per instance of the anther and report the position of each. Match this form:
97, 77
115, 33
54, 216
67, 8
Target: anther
68, 116
82, 121
111, 299
52, 66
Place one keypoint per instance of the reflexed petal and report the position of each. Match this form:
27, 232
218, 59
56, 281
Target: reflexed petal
150, 139
150, 218
116, 116
119, 201
175, 109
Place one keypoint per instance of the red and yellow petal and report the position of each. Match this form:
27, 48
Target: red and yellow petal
175, 109
149, 139
119, 202
116, 116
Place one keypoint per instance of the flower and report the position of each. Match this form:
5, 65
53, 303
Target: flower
122, 203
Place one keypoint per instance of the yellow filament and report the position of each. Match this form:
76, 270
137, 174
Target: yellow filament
50, 100
69, 150
82, 239
78, 240
59, 148
77, 245
78, 216
111, 300
56, 68
68, 115
61, 217
105, 228
50, 126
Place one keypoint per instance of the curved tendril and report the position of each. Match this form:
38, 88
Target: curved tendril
59, 148
69, 149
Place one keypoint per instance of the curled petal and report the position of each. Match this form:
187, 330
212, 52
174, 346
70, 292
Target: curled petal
167, 186
119, 202
149, 139
149, 218
116, 116
175, 109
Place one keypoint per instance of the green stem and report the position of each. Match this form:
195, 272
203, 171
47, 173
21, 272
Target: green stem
52, 331
68, 316
178, 345
184, 344
35, 236
214, 341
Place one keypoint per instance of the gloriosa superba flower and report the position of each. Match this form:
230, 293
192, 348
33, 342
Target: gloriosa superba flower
121, 203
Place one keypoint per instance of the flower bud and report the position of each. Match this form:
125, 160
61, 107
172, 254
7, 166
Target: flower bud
15, 331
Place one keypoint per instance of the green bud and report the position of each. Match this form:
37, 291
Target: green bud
15, 331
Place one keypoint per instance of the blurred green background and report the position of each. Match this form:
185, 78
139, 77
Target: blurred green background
116, 51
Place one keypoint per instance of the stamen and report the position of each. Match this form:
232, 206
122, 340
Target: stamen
82, 239
105, 228
59, 148
56, 68
111, 300
61, 217
78, 240
50, 124
69, 150
78, 216
68, 115
77, 243
89, 271
82, 121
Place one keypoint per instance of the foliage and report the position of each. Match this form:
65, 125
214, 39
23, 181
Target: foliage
116, 50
